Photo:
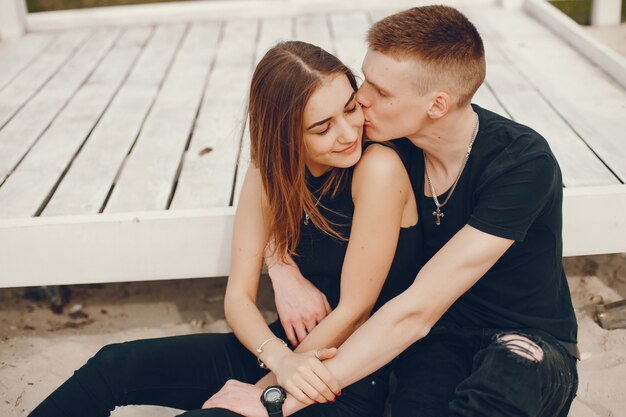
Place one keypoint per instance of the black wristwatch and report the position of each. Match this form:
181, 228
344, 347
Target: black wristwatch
273, 398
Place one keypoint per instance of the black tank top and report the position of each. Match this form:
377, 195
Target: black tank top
320, 256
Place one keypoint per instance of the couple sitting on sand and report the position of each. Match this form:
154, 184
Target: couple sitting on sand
422, 232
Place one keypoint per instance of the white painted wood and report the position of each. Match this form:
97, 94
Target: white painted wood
349, 36
38, 73
585, 97
271, 32
196, 243
202, 10
594, 221
25, 127
115, 247
12, 18
149, 173
17, 54
526, 105
485, 98
85, 187
29, 186
315, 29
207, 177
606, 12
598, 53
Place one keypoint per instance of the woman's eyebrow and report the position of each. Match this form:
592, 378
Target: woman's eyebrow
321, 122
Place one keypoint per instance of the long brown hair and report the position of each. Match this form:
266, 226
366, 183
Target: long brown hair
282, 83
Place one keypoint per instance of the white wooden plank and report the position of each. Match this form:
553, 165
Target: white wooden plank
149, 173
31, 80
16, 54
580, 166
208, 171
485, 98
242, 165
25, 128
572, 85
170, 12
273, 31
12, 18
28, 187
315, 29
85, 187
349, 32
115, 247
593, 220
196, 243
599, 53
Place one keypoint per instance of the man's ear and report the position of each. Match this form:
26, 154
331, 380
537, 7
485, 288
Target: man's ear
440, 106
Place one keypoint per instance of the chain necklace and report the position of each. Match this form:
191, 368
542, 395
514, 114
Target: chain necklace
306, 215
438, 213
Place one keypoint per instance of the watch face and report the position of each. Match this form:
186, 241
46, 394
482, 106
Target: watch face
273, 395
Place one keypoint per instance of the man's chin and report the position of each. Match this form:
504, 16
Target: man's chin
375, 135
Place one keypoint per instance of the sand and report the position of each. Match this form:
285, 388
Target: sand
39, 349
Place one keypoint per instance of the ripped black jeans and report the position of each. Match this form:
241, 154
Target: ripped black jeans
465, 372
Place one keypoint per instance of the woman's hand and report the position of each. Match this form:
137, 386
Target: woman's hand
299, 303
238, 397
305, 377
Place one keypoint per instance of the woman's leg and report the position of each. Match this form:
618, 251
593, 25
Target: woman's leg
180, 372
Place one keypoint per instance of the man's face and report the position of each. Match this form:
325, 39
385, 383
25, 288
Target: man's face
389, 96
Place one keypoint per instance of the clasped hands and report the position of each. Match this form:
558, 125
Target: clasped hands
302, 375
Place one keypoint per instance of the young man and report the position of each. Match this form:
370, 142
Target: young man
488, 327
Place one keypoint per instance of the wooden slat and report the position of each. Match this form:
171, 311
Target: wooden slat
149, 173
272, 31
573, 86
16, 54
485, 98
115, 247
25, 128
31, 80
85, 187
315, 29
349, 31
208, 171
526, 104
29, 185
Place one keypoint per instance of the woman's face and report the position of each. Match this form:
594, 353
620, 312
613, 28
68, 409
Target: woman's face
333, 126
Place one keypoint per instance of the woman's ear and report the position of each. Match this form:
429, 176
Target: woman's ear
440, 105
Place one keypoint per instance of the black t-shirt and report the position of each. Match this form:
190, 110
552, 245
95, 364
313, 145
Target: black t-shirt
511, 187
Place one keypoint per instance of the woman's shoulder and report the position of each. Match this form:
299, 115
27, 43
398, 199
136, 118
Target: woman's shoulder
380, 167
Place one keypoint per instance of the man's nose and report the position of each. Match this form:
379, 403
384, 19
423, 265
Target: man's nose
361, 97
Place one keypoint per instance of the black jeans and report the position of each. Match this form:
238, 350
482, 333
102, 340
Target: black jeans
471, 372
183, 372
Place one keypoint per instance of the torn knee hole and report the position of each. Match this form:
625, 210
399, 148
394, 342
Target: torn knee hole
522, 346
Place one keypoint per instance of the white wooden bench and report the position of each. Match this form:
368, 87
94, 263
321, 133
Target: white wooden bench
121, 146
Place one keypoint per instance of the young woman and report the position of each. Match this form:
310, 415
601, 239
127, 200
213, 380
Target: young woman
303, 196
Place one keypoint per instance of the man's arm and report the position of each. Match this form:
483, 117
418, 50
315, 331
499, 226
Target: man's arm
410, 316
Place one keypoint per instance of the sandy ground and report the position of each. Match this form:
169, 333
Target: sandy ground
39, 349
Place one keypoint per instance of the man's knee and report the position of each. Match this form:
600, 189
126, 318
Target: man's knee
521, 346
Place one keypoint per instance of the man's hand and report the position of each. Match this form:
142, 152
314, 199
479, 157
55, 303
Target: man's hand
299, 303
305, 377
238, 397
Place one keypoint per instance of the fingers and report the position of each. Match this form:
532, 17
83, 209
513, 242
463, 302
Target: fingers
325, 354
310, 325
321, 392
326, 305
300, 331
291, 335
325, 376
297, 393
